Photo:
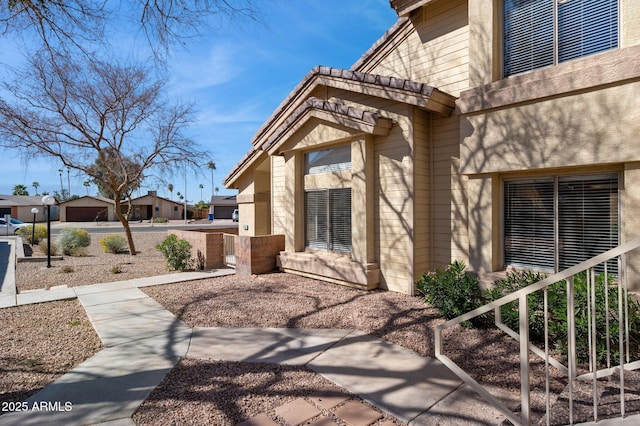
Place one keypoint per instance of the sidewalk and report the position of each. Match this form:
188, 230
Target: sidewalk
143, 341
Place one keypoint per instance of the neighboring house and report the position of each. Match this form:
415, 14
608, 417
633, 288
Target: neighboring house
223, 206
87, 208
19, 207
499, 132
151, 205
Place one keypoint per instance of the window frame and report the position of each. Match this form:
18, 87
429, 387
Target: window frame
335, 232
557, 181
555, 40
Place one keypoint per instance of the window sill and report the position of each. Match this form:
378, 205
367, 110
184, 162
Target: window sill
333, 267
602, 69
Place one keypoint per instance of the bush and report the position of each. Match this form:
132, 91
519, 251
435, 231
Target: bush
177, 252
72, 240
27, 231
557, 311
452, 291
113, 243
42, 245
160, 219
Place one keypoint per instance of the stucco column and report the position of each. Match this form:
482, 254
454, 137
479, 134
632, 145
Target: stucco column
484, 235
362, 209
483, 48
630, 220
294, 188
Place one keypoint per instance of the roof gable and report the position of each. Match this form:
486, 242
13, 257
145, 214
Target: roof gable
391, 88
354, 119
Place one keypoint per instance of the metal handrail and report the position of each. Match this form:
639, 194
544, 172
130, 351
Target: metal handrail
523, 336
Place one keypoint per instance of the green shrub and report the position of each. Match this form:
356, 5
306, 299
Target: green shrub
557, 312
160, 220
452, 291
113, 243
71, 240
177, 252
42, 245
27, 231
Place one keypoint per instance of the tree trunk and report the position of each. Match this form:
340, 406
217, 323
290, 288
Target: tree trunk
125, 225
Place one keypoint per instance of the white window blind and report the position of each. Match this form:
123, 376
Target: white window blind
529, 230
538, 33
588, 218
328, 220
553, 224
329, 160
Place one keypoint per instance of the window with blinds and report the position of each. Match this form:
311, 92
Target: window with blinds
328, 220
328, 160
553, 224
538, 33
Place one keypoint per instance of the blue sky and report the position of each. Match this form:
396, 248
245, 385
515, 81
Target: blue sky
236, 75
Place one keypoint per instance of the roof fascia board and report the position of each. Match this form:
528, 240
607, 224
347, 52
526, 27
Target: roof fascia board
399, 90
405, 7
382, 126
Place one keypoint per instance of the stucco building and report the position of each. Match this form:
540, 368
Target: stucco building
498, 132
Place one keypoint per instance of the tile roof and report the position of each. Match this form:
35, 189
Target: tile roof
368, 118
325, 75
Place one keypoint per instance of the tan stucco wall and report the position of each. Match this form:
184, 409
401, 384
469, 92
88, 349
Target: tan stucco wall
596, 127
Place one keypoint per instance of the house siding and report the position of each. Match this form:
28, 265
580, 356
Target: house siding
435, 50
278, 195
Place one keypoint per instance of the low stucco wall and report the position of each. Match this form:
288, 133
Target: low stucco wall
257, 255
206, 244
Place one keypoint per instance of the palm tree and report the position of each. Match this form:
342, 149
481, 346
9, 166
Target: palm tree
212, 166
61, 185
87, 184
201, 186
170, 188
217, 189
35, 185
20, 190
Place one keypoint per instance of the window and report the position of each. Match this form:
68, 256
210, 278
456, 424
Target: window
555, 223
328, 160
328, 220
538, 33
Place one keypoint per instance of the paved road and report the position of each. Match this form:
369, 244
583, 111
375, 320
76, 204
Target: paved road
115, 227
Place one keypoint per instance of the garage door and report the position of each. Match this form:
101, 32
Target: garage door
223, 212
86, 214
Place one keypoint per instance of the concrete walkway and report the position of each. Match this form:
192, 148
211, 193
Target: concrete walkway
143, 341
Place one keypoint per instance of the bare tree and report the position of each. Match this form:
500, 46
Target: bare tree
83, 113
73, 23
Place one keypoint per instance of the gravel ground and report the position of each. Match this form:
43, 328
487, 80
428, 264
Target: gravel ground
96, 266
221, 393
41, 342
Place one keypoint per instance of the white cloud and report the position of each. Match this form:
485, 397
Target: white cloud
201, 69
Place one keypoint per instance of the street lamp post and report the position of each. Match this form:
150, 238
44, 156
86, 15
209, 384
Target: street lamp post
48, 201
33, 227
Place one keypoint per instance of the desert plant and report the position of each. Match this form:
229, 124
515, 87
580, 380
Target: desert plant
42, 245
26, 232
116, 269
113, 243
72, 239
160, 220
67, 269
177, 253
452, 291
